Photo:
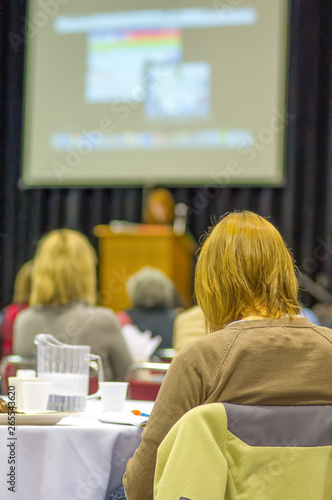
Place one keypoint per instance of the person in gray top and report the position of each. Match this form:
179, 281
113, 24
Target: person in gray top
151, 294
62, 303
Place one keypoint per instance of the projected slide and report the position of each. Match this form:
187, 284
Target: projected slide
140, 92
117, 61
183, 92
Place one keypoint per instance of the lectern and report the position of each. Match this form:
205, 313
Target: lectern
123, 250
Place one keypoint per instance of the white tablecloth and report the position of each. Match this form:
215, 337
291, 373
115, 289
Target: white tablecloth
79, 458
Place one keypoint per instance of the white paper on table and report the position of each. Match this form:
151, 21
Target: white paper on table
141, 344
122, 417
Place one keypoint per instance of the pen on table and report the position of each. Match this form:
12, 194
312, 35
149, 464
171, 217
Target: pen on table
140, 413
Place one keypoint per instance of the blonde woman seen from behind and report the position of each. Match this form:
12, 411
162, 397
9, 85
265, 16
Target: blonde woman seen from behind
262, 352
62, 303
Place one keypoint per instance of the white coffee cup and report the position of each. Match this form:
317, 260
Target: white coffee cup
113, 395
35, 396
15, 393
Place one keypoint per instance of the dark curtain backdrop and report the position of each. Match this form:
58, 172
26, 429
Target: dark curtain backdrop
302, 210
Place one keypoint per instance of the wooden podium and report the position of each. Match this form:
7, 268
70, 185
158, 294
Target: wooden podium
125, 250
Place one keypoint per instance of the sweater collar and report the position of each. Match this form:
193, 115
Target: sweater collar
296, 321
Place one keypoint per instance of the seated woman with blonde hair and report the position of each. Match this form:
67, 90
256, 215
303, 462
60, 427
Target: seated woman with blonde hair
262, 352
62, 303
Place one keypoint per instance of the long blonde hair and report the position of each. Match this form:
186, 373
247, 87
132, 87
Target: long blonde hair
64, 270
244, 268
22, 286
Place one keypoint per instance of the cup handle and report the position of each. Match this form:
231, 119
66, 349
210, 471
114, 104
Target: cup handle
98, 360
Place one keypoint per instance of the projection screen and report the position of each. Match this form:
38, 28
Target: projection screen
144, 92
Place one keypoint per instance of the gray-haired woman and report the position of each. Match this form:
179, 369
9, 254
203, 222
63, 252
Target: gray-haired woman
151, 294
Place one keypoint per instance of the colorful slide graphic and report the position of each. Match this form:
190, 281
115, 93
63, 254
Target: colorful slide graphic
117, 61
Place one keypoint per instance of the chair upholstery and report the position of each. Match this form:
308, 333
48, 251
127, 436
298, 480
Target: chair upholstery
228, 452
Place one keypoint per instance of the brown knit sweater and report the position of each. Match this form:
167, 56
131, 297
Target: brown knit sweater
268, 362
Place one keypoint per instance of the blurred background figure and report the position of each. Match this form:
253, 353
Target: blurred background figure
310, 315
319, 290
189, 325
152, 295
160, 207
22, 288
62, 303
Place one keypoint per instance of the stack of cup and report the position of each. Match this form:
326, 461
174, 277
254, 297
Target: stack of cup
28, 392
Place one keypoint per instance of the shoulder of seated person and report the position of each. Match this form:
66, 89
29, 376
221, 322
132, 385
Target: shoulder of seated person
323, 330
207, 343
103, 313
193, 312
83, 307
25, 314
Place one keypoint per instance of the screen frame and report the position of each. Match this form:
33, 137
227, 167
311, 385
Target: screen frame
25, 183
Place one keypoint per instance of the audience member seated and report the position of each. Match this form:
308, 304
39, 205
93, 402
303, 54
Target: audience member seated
62, 303
262, 351
189, 325
152, 297
20, 301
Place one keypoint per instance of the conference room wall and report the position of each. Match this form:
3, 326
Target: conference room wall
302, 209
